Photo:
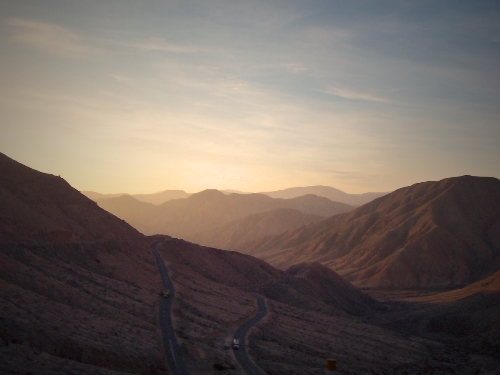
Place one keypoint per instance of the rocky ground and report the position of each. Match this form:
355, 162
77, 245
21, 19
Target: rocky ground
91, 307
297, 340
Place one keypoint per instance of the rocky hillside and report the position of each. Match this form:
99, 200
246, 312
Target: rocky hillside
78, 287
432, 234
41, 206
313, 312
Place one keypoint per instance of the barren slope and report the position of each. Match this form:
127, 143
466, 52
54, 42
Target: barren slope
37, 205
91, 306
444, 233
78, 287
310, 319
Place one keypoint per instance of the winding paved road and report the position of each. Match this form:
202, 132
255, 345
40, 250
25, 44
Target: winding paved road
175, 362
241, 354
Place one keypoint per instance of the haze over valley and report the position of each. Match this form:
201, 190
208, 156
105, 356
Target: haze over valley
211, 217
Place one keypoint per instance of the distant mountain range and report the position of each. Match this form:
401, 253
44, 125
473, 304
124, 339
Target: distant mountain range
155, 198
227, 222
432, 234
211, 217
329, 192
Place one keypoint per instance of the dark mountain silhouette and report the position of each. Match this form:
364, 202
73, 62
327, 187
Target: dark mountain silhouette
200, 215
258, 225
329, 192
432, 234
37, 205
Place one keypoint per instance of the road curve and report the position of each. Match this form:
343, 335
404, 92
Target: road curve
241, 354
175, 362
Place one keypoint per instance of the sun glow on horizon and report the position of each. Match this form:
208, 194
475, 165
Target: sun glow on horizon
257, 97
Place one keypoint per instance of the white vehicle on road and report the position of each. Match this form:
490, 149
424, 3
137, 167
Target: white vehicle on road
236, 344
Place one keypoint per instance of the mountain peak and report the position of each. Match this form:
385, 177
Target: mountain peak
206, 196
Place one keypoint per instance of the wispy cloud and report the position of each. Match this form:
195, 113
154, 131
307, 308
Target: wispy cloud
295, 68
48, 37
277, 94
160, 44
356, 95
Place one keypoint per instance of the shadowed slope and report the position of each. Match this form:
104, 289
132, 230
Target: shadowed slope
259, 225
469, 316
310, 317
78, 286
37, 205
324, 284
304, 285
444, 233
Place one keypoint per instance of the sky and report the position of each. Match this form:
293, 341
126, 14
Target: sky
144, 96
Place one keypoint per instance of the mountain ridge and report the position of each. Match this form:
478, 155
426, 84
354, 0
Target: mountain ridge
329, 192
154, 198
377, 243
38, 205
197, 217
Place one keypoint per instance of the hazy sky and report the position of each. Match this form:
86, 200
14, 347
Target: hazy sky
144, 96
